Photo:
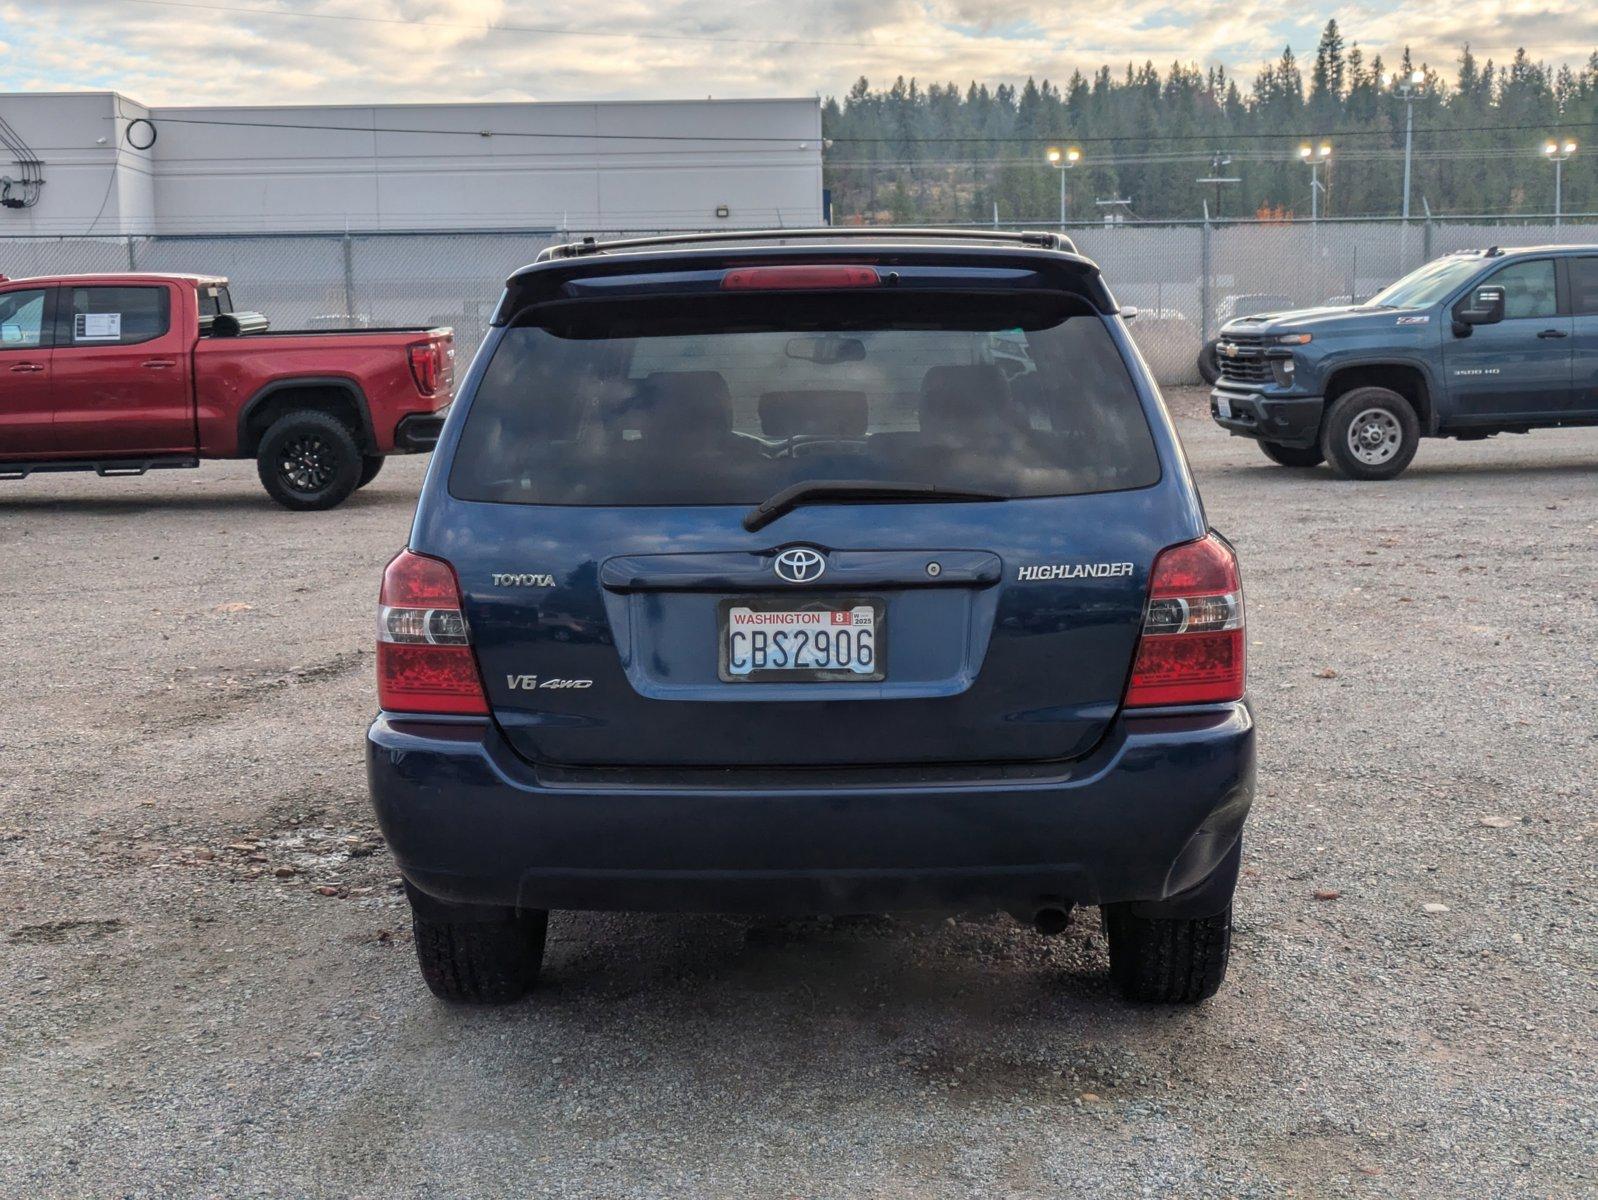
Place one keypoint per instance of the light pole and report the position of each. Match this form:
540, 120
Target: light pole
1406, 89
1062, 161
1315, 156
1556, 153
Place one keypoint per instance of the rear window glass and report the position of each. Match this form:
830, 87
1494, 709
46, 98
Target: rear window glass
638, 405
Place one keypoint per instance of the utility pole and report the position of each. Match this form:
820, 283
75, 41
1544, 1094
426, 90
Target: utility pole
1063, 161
1406, 89
1217, 164
1556, 153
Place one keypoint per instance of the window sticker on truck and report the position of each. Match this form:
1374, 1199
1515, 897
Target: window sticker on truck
97, 327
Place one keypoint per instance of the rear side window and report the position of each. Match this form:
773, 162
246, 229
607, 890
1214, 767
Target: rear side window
22, 320
1584, 285
213, 299
115, 316
650, 407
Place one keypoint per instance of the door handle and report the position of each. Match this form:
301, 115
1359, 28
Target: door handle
158, 364
1553, 333
26, 368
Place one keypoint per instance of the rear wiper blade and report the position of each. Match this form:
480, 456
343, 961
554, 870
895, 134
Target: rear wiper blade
830, 491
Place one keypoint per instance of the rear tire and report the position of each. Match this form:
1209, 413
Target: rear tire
1293, 456
1209, 366
1159, 960
308, 460
489, 957
1370, 433
371, 464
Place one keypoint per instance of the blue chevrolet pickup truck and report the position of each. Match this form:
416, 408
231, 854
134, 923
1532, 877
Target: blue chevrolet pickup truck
1470, 345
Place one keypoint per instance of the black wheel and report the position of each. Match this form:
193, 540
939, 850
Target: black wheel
309, 460
1293, 456
1370, 433
371, 464
1160, 960
1209, 366
467, 956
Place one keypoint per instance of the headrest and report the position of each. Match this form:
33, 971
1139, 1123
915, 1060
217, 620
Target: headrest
680, 404
815, 412
967, 399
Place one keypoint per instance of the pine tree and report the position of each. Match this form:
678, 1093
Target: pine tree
940, 153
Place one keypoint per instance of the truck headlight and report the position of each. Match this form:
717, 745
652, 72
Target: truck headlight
1293, 339
1284, 369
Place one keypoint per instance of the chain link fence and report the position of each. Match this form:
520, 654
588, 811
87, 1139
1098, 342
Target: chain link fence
1187, 279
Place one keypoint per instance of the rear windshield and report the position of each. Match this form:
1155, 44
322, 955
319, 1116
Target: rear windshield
638, 404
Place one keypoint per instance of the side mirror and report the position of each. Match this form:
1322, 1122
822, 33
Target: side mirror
1483, 306
1128, 312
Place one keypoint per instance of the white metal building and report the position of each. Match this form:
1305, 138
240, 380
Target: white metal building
111, 166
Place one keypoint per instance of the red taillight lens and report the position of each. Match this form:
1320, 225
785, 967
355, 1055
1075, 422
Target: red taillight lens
427, 366
424, 653
1192, 650
771, 279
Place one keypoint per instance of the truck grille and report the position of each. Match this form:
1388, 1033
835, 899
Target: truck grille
1242, 358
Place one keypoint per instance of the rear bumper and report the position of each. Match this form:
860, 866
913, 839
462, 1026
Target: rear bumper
1290, 421
1152, 815
417, 433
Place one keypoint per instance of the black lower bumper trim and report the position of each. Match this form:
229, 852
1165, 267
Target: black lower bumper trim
1292, 421
418, 433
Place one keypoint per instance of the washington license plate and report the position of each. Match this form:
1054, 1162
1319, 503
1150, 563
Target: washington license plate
789, 641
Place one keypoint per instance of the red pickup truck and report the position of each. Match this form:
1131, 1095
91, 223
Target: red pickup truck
122, 374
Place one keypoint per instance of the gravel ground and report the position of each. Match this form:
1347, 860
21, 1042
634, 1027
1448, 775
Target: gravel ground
207, 986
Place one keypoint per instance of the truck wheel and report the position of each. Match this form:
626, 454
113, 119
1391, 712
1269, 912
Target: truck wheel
1370, 433
309, 460
490, 957
1161, 960
371, 464
1293, 456
1209, 366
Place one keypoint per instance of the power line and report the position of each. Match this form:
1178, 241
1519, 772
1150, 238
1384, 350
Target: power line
1177, 158
479, 133
544, 30
1207, 139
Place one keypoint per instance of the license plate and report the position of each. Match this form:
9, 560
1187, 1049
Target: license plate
817, 640
1223, 407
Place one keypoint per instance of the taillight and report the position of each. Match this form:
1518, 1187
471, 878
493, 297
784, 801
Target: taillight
801, 278
424, 653
1192, 649
427, 366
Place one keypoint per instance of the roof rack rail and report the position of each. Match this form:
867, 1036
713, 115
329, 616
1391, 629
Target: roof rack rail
589, 245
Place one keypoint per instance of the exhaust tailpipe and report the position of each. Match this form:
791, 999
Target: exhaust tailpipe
1051, 919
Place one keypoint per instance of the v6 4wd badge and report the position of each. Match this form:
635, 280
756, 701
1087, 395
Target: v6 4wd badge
526, 683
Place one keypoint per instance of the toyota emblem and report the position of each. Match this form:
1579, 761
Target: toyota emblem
799, 565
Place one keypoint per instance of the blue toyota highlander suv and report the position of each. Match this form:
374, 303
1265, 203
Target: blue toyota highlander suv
812, 572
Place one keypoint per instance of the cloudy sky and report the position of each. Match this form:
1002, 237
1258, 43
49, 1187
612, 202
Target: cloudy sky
307, 51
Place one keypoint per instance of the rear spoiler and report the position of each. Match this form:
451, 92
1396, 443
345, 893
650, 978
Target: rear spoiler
839, 233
